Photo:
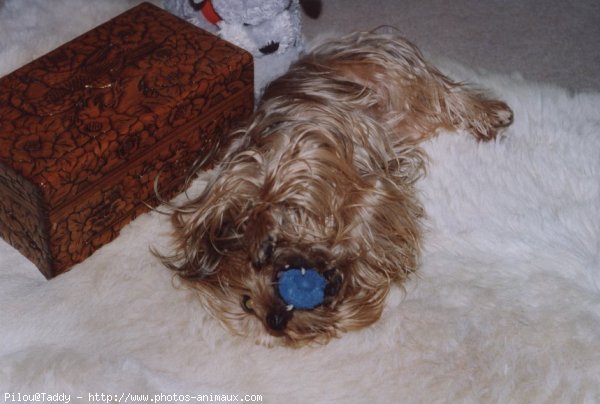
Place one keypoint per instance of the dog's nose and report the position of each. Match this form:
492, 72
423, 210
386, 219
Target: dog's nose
277, 320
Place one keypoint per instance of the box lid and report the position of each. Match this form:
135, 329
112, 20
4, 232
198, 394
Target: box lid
105, 98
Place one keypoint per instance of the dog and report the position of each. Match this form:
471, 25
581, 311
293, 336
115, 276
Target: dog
323, 177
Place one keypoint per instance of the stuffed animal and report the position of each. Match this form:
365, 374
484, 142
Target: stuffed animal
269, 29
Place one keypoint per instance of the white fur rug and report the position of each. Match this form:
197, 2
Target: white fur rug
506, 307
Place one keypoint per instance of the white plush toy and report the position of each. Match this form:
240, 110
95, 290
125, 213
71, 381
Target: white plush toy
269, 29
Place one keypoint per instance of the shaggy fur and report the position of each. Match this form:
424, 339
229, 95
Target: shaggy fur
506, 304
323, 176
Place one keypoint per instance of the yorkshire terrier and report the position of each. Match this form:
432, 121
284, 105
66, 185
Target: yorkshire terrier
322, 179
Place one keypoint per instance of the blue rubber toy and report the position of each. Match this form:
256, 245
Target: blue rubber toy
302, 288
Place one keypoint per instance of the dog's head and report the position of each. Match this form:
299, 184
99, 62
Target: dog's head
312, 181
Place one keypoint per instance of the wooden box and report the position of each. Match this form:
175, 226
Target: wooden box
87, 129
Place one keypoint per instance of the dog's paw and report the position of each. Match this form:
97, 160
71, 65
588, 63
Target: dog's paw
497, 116
334, 283
500, 114
263, 251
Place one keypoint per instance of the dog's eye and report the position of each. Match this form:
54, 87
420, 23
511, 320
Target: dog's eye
247, 304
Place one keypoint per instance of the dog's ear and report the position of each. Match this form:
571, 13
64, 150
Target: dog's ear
311, 8
211, 225
204, 231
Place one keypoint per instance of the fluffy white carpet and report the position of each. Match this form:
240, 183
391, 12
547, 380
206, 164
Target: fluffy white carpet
506, 307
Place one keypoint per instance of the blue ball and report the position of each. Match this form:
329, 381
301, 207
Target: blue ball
302, 288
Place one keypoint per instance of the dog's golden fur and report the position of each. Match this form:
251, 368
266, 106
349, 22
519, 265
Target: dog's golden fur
323, 176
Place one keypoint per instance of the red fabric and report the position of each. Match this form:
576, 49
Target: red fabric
209, 12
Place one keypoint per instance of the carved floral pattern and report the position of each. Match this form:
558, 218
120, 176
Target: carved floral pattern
85, 130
